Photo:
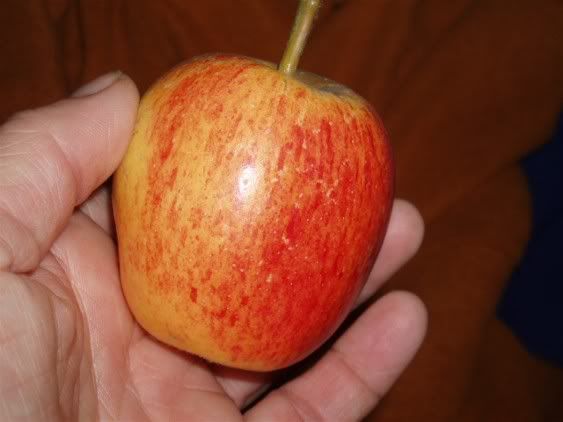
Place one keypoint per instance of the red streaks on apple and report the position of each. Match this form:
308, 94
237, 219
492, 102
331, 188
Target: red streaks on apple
193, 294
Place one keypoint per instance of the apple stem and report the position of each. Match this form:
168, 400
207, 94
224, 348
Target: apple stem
306, 14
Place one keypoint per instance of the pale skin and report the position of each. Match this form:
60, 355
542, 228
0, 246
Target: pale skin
69, 347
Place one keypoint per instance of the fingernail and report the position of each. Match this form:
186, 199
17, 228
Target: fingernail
98, 84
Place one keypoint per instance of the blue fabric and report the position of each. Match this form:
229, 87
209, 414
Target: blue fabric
532, 305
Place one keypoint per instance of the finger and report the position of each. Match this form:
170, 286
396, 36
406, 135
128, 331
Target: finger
52, 158
402, 240
98, 208
360, 368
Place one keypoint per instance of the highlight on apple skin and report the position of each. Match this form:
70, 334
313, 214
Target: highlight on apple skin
250, 207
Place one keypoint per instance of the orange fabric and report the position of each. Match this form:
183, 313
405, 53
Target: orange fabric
466, 88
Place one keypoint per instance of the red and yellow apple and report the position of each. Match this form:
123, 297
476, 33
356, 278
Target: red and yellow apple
250, 207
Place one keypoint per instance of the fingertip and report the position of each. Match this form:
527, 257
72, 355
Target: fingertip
396, 325
406, 227
97, 85
122, 101
409, 318
100, 122
104, 82
404, 236
116, 103
392, 329
130, 90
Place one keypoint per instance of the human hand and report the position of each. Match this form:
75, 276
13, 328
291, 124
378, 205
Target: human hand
69, 347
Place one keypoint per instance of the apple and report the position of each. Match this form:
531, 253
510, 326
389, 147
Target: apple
250, 207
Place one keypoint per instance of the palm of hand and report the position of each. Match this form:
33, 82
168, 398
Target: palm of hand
70, 349
75, 344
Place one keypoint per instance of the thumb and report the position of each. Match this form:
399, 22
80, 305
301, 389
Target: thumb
52, 158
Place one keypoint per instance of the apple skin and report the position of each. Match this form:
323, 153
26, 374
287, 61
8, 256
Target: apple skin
249, 207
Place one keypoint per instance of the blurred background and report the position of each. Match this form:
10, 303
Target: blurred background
471, 93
